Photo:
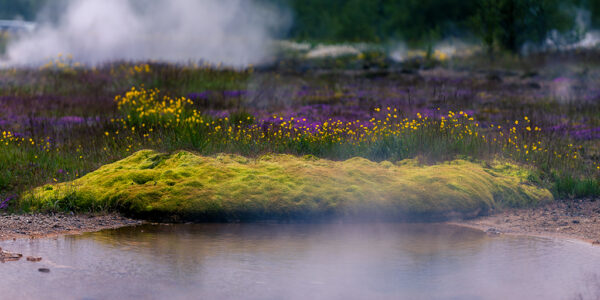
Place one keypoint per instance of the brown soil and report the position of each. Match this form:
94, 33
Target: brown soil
572, 219
45, 225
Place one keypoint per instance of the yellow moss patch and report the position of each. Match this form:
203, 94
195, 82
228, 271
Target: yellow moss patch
183, 185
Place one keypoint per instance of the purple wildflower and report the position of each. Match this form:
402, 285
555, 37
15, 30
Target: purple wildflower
4, 204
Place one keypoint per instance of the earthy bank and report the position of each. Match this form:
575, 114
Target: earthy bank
568, 218
50, 224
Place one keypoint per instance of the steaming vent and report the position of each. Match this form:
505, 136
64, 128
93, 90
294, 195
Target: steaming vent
229, 32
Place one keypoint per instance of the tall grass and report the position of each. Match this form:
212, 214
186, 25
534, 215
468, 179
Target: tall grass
161, 113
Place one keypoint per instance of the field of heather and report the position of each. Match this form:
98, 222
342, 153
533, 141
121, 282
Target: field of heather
63, 120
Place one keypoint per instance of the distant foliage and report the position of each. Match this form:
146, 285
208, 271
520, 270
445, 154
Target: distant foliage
378, 20
503, 24
25, 9
511, 24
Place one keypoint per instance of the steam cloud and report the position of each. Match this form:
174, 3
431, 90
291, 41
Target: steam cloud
232, 32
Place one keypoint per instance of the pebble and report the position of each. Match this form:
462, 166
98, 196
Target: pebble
44, 270
8, 256
33, 259
493, 231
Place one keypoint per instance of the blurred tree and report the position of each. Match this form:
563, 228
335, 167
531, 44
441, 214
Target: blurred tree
486, 23
511, 24
378, 20
25, 9
593, 8
358, 20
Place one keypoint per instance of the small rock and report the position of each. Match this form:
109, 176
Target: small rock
492, 231
44, 270
8, 256
575, 221
33, 259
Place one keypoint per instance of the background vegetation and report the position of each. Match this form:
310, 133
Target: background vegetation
61, 121
507, 24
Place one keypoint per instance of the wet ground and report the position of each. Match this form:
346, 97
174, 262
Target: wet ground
44, 225
572, 219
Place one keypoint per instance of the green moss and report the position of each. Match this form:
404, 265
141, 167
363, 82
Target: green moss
183, 185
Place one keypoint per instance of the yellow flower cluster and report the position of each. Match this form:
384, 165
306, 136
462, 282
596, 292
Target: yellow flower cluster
62, 63
8, 138
139, 69
145, 107
146, 110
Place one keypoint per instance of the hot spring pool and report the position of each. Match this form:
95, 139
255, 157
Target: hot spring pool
301, 261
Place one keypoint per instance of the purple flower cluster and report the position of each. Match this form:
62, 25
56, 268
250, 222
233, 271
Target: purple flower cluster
577, 132
431, 96
235, 93
206, 95
199, 96
4, 204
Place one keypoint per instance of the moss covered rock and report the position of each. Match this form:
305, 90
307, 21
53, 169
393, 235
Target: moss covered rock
185, 186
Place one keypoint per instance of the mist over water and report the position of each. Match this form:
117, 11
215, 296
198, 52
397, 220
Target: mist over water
232, 32
301, 261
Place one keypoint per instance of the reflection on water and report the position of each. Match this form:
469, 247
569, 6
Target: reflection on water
301, 261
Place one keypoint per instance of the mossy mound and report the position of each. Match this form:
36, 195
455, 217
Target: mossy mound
185, 186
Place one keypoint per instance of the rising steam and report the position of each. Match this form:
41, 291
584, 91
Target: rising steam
232, 32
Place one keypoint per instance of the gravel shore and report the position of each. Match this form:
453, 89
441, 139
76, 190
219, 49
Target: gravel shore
571, 219
44, 225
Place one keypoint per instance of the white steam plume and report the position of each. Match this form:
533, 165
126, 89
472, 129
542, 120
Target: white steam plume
232, 32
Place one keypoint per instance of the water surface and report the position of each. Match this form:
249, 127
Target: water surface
301, 261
